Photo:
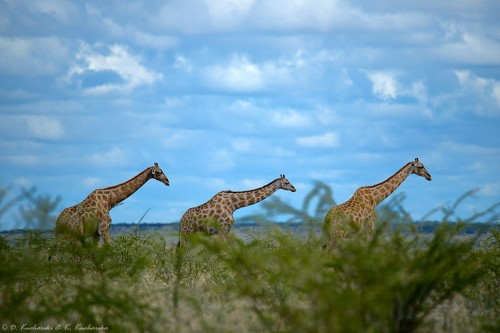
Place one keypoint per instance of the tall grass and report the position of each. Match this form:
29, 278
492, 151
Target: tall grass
272, 280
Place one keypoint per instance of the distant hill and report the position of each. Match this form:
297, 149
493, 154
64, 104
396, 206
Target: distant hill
244, 230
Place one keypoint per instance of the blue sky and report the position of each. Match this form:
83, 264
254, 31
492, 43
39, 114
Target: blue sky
230, 94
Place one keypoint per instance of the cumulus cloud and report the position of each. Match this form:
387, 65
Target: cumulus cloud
326, 140
128, 72
240, 74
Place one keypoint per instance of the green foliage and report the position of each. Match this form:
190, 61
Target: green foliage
393, 211
399, 280
276, 282
38, 211
387, 284
35, 211
79, 285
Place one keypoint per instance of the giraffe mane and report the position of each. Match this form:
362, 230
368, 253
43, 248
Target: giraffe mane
393, 175
117, 185
255, 189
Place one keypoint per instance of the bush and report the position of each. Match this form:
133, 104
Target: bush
276, 280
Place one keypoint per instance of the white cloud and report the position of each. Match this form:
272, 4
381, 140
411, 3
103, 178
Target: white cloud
480, 94
326, 140
115, 59
44, 127
384, 84
470, 48
238, 75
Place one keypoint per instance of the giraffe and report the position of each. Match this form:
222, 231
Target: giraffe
91, 216
359, 210
215, 217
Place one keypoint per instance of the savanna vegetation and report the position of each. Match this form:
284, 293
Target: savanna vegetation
271, 279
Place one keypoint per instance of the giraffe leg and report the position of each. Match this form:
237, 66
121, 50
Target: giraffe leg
95, 237
103, 228
183, 239
106, 237
221, 237
335, 236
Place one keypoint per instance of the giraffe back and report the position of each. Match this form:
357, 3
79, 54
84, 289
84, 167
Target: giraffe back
213, 217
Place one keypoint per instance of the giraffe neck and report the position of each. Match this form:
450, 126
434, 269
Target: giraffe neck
247, 198
377, 193
120, 192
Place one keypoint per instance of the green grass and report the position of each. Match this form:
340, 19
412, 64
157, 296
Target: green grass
275, 281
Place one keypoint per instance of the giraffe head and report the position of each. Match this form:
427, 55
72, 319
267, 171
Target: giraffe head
158, 174
418, 168
284, 184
